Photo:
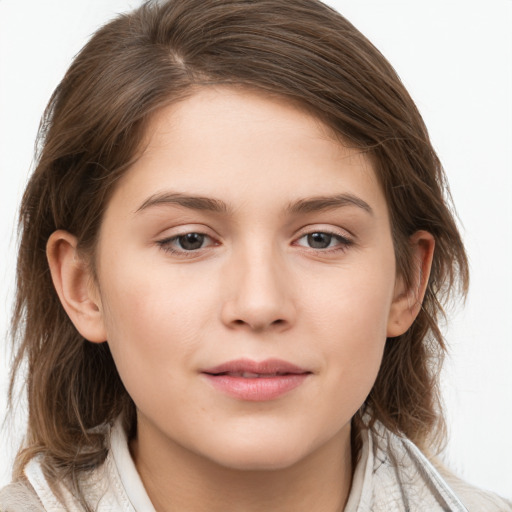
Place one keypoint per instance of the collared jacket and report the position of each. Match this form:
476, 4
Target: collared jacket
392, 475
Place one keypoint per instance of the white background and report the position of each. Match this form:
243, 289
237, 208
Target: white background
455, 57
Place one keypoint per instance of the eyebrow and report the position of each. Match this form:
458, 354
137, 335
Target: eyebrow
302, 206
192, 202
322, 203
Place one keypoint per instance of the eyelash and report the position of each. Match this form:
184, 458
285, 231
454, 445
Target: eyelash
343, 243
166, 244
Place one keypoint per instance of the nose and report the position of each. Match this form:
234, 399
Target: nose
259, 293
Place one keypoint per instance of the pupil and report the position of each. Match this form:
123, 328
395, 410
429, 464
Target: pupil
319, 240
191, 241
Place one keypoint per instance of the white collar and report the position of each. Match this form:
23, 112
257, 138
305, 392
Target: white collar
392, 475
130, 479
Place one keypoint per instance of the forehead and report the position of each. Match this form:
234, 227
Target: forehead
245, 147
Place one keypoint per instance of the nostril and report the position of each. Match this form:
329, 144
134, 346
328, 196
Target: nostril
258, 325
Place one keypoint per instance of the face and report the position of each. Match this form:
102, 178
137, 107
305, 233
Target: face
246, 277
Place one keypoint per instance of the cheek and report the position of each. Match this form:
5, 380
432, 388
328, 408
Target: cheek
152, 322
350, 317
354, 300
152, 300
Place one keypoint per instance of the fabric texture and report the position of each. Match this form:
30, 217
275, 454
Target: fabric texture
391, 476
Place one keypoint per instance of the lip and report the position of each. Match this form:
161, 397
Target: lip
256, 381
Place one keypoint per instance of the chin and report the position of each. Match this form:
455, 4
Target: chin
259, 456
259, 462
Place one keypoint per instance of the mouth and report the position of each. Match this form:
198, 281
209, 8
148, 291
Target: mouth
249, 380
251, 375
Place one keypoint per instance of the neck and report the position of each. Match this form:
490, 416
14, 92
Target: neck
177, 479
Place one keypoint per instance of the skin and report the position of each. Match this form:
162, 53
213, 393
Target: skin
256, 288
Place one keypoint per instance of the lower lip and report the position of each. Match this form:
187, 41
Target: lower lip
259, 389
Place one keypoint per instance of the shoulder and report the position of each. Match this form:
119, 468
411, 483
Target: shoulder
19, 497
35, 493
99, 488
419, 482
474, 498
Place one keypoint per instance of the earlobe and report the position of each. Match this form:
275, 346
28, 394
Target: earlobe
407, 301
74, 285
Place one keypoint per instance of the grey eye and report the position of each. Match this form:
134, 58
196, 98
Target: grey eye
191, 241
319, 240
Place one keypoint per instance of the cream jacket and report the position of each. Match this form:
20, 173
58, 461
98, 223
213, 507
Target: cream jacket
392, 476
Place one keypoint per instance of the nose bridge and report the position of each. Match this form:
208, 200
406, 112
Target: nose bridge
260, 296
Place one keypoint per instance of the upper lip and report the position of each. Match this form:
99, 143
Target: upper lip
266, 367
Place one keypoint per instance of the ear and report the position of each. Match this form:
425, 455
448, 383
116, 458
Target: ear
75, 286
407, 301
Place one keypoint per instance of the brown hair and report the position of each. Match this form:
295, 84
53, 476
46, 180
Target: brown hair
91, 132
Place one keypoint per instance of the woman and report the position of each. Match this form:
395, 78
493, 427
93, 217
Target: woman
239, 229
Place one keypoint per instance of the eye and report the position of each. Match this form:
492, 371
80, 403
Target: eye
187, 242
322, 240
190, 241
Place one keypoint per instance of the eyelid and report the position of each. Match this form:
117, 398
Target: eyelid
165, 242
184, 229
346, 240
327, 229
